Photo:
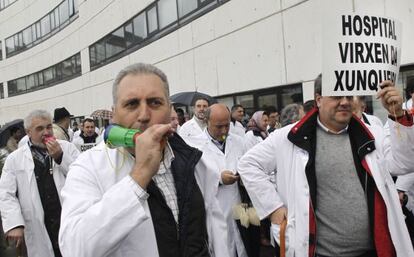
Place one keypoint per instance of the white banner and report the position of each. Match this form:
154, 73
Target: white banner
359, 51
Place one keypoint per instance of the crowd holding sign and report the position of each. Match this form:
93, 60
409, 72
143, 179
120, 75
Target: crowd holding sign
359, 52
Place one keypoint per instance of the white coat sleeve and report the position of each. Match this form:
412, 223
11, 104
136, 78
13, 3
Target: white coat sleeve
406, 182
253, 168
398, 147
94, 221
11, 213
70, 153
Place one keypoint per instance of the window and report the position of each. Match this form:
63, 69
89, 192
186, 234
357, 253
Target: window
167, 12
10, 44
1, 91
186, 6
129, 34
45, 24
31, 35
152, 19
155, 21
31, 81
64, 11
115, 43
21, 85
64, 70
5, 3
140, 28
264, 101
27, 36
1, 51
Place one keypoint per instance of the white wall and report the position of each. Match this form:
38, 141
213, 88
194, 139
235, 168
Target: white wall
242, 45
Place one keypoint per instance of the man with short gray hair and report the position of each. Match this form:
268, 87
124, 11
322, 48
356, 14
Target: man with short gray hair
30, 185
152, 199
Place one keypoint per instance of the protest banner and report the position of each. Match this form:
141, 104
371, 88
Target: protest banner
359, 51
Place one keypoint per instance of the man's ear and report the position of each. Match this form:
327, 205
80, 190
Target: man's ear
318, 99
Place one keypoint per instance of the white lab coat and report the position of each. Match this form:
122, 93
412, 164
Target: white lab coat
79, 143
406, 183
190, 129
278, 153
26, 209
103, 216
237, 128
227, 195
251, 140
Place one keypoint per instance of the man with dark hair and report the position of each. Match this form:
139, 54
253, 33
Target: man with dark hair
333, 179
180, 114
61, 119
156, 198
197, 124
88, 138
237, 114
274, 119
16, 134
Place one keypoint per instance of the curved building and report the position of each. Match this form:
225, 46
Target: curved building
58, 53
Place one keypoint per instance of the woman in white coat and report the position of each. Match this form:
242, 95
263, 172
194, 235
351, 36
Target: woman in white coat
256, 129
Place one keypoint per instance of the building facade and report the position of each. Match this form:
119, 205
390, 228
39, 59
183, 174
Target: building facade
256, 53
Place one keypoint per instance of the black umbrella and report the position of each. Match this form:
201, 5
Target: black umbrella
5, 130
188, 98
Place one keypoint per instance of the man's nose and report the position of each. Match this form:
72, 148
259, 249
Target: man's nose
143, 113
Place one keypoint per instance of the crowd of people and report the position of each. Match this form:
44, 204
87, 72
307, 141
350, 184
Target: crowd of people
212, 185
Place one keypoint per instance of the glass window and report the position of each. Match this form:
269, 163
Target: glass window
247, 102
1, 91
78, 63
59, 74
115, 43
49, 75
140, 27
10, 45
129, 34
21, 85
264, 101
27, 36
291, 94
152, 19
31, 81
34, 35
40, 78
18, 41
71, 8
186, 6
45, 24
64, 11
67, 68
52, 21
56, 13
38, 30
12, 87
75, 6
167, 12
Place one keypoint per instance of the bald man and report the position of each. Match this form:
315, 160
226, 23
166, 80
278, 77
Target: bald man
224, 149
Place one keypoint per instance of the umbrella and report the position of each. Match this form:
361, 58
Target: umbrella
104, 114
188, 98
5, 130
